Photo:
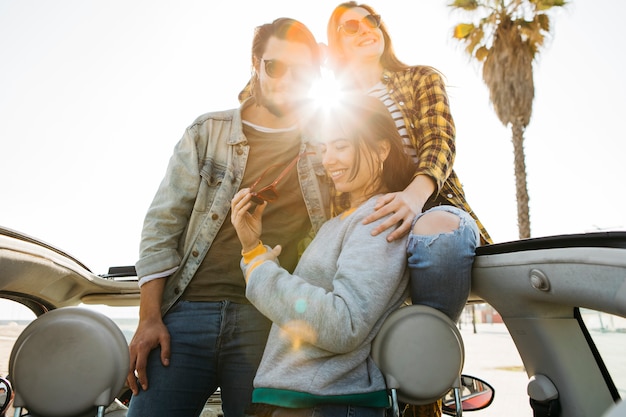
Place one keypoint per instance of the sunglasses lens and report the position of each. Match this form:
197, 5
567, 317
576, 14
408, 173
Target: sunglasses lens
373, 21
351, 26
275, 68
256, 199
264, 194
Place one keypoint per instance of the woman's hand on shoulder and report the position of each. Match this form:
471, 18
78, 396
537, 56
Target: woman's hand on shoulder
402, 207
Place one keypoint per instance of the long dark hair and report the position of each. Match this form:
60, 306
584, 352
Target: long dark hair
367, 123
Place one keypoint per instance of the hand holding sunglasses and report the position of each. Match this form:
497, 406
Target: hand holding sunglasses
269, 193
247, 223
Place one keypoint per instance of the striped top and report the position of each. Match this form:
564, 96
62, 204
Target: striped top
380, 92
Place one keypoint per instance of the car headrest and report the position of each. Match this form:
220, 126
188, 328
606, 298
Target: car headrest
421, 353
68, 362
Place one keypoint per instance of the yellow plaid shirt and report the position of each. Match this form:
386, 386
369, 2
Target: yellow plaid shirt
420, 94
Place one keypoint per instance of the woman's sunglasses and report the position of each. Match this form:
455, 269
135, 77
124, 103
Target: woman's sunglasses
351, 27
275, 68
269, 193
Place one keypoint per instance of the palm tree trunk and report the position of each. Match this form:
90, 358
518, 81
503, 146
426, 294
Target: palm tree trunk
523, 215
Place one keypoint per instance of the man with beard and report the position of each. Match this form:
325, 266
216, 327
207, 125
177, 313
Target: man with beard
197, 331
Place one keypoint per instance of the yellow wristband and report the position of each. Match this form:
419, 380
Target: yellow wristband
250, 255
252, 268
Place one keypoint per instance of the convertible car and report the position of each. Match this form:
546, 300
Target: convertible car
560, 300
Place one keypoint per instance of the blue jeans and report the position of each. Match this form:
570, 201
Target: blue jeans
441, 265
213, 344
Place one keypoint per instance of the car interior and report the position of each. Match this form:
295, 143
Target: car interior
71, 357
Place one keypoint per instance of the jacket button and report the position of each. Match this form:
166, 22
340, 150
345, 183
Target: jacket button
239, 151
195, 253
449, 195
176, 290
215, 216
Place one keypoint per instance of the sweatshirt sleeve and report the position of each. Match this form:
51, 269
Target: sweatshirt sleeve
370, 280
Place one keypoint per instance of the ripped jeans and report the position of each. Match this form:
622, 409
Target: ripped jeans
441, 265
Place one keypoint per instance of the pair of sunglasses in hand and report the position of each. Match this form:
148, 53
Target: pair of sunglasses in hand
269, 193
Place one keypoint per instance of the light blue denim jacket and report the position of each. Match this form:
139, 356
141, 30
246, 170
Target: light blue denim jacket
203, 175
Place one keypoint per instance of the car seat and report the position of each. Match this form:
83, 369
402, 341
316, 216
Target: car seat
69, 362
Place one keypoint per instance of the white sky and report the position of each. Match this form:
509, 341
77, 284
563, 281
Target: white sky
95, 94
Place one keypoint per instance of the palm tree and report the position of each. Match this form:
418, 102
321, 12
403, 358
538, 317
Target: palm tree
506, 40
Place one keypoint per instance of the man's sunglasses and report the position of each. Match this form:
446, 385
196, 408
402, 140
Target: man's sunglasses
275, 68
269, 193
351, 27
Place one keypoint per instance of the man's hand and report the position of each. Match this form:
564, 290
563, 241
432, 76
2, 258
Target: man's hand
149, 335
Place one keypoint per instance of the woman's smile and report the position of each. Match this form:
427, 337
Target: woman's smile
336, 173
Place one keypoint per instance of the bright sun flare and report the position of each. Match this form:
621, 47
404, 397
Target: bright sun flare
326, 91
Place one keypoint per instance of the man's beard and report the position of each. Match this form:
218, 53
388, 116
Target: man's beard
275, 109
270, 105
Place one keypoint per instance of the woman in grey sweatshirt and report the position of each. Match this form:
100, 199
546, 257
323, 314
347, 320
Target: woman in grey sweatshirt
326, 314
